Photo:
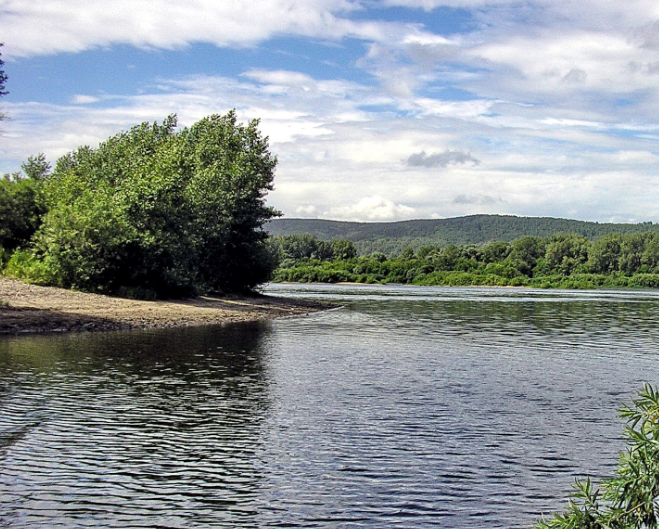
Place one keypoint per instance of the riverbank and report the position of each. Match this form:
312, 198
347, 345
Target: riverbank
31, 308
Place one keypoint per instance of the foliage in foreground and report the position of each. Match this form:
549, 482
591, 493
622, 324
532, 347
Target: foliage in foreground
152, 211
630, 499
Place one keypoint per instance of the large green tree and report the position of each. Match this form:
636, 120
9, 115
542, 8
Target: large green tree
165, 211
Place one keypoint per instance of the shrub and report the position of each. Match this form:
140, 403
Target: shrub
630, 500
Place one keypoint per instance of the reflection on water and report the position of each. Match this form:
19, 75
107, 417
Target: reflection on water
408, 407
154, 429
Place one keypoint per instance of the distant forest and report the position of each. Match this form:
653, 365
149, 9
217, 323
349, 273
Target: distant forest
392, 238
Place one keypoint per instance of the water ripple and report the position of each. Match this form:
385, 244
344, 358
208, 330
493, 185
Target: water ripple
407, 408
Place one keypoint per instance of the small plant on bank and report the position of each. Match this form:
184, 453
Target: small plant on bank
630, 500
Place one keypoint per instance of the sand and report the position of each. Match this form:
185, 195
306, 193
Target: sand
30, 308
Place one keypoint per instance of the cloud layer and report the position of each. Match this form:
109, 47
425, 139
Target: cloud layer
550, 108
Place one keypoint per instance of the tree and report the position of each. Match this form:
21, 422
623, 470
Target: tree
21, 211
525, 253
21, 203
604, 254
162, 211
495, 252
566, 252
343, 249
36, 167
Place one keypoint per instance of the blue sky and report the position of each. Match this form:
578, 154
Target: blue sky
377, 110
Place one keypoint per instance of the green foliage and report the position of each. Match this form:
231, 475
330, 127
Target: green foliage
305, 246
565, 253
23, 264
36, 167
630, 500
153, 210
21, 211
561, 261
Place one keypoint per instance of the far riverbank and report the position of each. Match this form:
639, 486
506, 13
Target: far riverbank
28, 308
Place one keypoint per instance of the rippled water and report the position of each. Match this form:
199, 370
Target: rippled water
407, 407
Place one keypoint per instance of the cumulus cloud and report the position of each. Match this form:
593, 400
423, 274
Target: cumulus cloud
371, 208
307, 211
441, 159
51, 26
565, 105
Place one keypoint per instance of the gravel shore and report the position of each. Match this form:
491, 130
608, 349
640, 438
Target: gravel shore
31, 308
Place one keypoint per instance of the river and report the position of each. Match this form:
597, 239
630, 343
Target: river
406, 407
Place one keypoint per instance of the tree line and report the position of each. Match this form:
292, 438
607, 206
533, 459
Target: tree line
562, 260
151, 212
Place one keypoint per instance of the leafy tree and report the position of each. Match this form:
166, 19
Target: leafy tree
650, 255
21, 203
525, 253
343, 249
604, 254
631, 252
566, 252
21, 211
303, 246
447, 258
495, 252
407, 253
324, 250
36, 167
163, 211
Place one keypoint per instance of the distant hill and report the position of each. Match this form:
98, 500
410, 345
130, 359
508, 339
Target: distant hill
392, 237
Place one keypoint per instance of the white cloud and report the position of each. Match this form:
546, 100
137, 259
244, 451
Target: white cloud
530, 163
371, 208
52, 26
557, 98
308, 210
84, 100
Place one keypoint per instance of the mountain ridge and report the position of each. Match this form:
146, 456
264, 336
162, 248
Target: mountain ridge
391, 237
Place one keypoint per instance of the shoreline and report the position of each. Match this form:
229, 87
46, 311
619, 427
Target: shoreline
26, 308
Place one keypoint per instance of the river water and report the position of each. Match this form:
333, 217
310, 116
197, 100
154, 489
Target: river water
406, 407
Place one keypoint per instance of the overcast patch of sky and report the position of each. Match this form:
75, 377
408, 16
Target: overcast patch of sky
556, 99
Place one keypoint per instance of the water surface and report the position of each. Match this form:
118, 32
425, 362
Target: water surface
407, 407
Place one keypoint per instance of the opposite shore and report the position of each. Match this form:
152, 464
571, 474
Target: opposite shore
26, 308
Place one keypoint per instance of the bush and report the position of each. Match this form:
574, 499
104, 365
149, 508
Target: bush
630, 500
26, 266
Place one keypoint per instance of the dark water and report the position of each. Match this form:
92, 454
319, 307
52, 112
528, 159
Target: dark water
408, 407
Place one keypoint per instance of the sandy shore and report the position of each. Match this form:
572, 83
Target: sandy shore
31, 308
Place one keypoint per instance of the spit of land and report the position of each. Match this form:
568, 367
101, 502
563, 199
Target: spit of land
32, 308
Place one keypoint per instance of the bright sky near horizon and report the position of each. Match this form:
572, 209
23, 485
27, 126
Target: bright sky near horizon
377, 110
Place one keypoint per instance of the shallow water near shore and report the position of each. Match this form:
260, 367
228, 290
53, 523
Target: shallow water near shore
407, 407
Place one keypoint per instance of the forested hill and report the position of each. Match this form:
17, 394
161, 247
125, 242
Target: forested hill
392, 237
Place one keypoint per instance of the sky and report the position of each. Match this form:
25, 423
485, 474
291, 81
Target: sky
376, 110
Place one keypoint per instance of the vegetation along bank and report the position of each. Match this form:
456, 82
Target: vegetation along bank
614, 260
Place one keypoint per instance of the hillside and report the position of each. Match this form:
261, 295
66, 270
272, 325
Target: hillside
391, 237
